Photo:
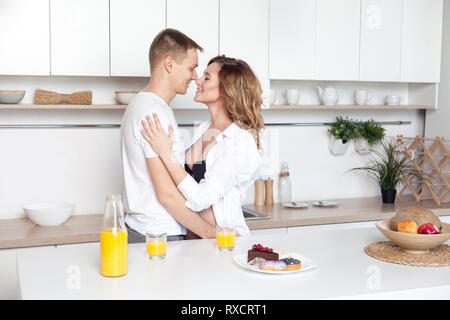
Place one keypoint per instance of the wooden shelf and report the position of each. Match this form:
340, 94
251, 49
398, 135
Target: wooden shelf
75, 107
350, 107
273, 107
64, 106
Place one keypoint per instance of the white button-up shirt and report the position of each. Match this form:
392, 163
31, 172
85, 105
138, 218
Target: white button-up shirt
232, 165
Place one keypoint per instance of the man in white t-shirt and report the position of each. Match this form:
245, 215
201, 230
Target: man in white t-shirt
152, 202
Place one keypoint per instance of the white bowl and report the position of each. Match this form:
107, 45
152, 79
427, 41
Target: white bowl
11, 96
125, 97
49, 213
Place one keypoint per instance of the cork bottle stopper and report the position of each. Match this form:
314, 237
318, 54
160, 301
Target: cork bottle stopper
284, 172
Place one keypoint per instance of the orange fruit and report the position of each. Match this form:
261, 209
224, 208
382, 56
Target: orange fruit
407, 226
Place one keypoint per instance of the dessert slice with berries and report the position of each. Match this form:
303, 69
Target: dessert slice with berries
259, 251
291, 263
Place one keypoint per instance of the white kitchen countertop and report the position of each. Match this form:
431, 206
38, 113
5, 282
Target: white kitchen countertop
194, 270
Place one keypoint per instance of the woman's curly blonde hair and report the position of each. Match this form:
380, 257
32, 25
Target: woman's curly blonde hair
242, 94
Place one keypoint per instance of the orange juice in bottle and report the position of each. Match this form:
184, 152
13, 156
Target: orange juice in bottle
113, 239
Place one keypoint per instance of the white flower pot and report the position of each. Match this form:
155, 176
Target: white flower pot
362, 146
337, 147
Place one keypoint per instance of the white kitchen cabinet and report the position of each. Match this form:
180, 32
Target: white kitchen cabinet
244, 34
333, 226
198, 19
9, 288
337, 40
79, 37
134, 25
421, 40
381, 40
270, 231
24, 37
292, 39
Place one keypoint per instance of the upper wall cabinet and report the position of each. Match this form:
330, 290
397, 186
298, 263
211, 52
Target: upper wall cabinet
198, 19
365, 40
79, 37
381, 40
292, 39
337, 39
134, 24
421, 40
244, 34
24, 37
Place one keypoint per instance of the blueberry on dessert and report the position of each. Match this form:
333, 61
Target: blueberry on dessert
291, 263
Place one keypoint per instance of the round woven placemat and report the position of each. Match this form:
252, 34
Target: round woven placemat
389, 252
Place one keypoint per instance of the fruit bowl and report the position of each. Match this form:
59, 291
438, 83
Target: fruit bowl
414, 243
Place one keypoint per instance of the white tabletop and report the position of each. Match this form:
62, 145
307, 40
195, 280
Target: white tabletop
195, 270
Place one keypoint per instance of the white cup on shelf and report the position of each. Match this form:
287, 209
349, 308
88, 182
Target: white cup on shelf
393, 100
273, 96
362, 97
292, 96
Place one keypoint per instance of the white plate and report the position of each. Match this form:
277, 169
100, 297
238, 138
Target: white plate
307, 264
325, 203
295, 205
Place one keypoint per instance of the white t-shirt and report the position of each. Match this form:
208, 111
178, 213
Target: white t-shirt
143, 211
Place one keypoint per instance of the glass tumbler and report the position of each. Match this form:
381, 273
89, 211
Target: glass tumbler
156, 245
225, 237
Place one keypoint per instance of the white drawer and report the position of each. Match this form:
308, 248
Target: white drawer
9, 287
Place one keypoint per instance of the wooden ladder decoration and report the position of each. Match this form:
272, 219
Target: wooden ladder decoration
431, 156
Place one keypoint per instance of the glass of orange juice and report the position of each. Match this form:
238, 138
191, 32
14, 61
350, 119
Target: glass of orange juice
156, 245
225, 236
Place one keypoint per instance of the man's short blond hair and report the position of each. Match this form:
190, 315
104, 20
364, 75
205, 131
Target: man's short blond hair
170, 42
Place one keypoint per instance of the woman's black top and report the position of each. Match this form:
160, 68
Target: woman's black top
198, 170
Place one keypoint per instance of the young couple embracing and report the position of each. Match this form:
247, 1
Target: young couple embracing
185, 191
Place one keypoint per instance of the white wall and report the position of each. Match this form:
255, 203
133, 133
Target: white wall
315, 172
83, 165
437, 120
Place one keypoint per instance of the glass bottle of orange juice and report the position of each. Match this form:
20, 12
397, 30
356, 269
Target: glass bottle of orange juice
113, 239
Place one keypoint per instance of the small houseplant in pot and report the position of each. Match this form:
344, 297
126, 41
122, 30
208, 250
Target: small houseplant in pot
342, 131
390, 168
371, 133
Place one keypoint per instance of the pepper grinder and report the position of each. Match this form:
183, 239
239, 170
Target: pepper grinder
259, 192
269, 192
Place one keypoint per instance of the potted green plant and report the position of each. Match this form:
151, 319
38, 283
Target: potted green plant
371, 133
342, 131
390, 169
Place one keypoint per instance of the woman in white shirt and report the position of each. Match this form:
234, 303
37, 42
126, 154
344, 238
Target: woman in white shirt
224, 158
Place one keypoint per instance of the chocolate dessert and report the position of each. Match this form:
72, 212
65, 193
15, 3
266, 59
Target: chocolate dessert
258, 251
